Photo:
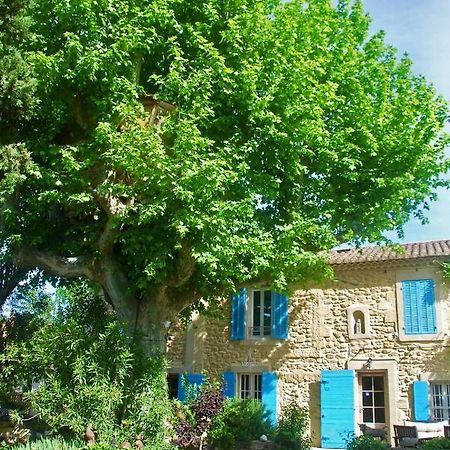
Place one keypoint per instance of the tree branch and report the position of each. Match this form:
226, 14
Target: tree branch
64, 267
184, 267
10, 277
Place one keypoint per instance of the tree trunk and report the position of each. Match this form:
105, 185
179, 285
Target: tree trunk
153, 318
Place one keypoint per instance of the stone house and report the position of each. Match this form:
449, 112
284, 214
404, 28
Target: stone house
371, 346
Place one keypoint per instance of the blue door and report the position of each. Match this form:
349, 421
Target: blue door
337, 398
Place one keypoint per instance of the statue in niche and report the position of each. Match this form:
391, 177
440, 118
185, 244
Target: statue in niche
358, 326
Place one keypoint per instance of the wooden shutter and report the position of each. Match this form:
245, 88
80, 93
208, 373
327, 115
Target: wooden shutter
419, 309
229, 384
421, 400
195, 380
280, 316
337, 404
269, 394
238, 314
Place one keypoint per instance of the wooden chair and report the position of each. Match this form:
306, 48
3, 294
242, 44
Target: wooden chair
447, 431
405, 436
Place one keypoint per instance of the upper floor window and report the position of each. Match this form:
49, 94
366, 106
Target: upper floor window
419, 309
418, 306
259, 313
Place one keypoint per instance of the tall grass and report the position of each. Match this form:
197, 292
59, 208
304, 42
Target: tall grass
50, 443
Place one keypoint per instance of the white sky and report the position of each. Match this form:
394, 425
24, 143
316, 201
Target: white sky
421, 28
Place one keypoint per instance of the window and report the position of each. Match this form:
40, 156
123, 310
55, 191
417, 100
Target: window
261, 314
440, 398
250, 386
258, 313
172, 384
418, 306
373, 405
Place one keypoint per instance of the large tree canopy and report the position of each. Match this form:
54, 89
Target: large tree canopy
179, 148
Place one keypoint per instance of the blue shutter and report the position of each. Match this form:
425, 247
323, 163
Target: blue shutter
229, 384
419, 310
280, 316
238, 313
420, 400
337, 403
193, 379
269, 395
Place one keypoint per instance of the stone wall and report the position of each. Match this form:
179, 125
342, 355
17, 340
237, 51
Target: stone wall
319, 339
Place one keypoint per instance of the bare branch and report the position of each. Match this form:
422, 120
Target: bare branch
64, 267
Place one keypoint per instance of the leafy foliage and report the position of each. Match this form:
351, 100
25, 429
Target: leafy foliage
367, 442
239, 422
198, 416
281, 129
445, 267
16, 82
439, 443
87, 368
291, 429
51, 443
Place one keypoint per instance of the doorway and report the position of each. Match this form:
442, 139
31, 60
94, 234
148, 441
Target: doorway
372, 403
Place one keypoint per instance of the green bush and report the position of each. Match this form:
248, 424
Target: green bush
89, 370
290, 432
366, 442
239, 422
439, 443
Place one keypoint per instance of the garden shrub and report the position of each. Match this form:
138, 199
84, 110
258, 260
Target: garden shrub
439, 443
89, 370
240, 422
290, 432
197, 416
367, 442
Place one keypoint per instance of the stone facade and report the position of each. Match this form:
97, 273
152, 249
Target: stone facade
319, 339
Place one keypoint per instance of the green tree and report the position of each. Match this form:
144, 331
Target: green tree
178, 149
89, 371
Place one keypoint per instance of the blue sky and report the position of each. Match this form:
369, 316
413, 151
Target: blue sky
421, 28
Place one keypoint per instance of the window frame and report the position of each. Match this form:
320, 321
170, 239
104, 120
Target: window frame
419, 274
252, 388
250, 315
433, 407
373, 391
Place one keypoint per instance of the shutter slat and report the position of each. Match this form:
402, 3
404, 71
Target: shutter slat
337, 405
280, 316
229, 385
238, 314
419, 309
269, 395
421, 401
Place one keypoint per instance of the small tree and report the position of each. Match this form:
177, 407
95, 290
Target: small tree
88, 371
179, 149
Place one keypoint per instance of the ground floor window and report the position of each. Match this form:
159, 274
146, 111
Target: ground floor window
250, 385
172, 384
440, 393
373, 399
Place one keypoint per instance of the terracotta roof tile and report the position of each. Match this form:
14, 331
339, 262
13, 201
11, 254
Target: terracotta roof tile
413, 250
